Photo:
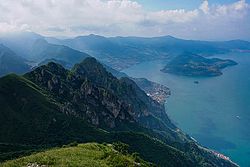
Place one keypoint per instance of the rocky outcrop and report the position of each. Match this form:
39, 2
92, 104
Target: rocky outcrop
94, 94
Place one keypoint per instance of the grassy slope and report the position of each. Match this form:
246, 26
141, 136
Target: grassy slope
90, 154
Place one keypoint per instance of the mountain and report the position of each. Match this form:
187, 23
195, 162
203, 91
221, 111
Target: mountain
42, 50
94, 76
237, 45
52, 106
20, 42
117, 52
195, 65
11, 63
156, 91
34, 47
61, 62
32, 120
122, 52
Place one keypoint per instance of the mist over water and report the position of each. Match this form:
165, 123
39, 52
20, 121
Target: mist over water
216, 111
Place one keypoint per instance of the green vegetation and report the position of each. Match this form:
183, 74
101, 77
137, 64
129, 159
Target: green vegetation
90, 154
194, 65
51, 107
31, 122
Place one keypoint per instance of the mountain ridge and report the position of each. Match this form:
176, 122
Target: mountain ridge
72, 103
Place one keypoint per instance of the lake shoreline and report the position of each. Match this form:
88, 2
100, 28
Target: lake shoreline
204, 109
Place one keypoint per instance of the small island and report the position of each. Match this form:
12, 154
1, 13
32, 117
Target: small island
197, 66
196, 82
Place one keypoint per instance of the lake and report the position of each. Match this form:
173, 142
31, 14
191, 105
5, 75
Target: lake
216, 111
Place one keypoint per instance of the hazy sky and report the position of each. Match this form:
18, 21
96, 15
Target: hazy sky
192, 19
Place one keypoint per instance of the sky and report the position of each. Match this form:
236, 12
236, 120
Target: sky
188, 19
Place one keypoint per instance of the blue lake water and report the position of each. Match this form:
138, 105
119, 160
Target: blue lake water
216, 112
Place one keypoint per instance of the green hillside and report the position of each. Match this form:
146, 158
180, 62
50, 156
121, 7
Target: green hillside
90, 154
31, 121
52, 106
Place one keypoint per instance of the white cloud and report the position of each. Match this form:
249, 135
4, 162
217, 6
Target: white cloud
178, 16
122, 17
237, 9
204, 7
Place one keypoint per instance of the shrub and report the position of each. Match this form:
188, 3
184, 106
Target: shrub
121, 147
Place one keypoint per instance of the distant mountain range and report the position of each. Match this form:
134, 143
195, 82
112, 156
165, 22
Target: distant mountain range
122, 52
117, 52
51, 106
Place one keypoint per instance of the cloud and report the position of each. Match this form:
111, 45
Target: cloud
238, 9
174, 16
204, 7
123, 17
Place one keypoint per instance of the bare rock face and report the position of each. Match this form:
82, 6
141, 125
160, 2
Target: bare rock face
92, 117
90, 92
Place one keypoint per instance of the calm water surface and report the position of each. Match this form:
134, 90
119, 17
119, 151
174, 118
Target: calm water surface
216, 112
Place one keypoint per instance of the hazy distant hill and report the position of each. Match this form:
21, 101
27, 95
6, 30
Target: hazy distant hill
20, 42
34, 47
11, 63
117, 52
121, 52
42, 50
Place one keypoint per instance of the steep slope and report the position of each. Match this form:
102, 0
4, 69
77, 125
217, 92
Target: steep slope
11, 63
31, 120
90, 77
88, 89
52, 106
156, 91
30, 115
